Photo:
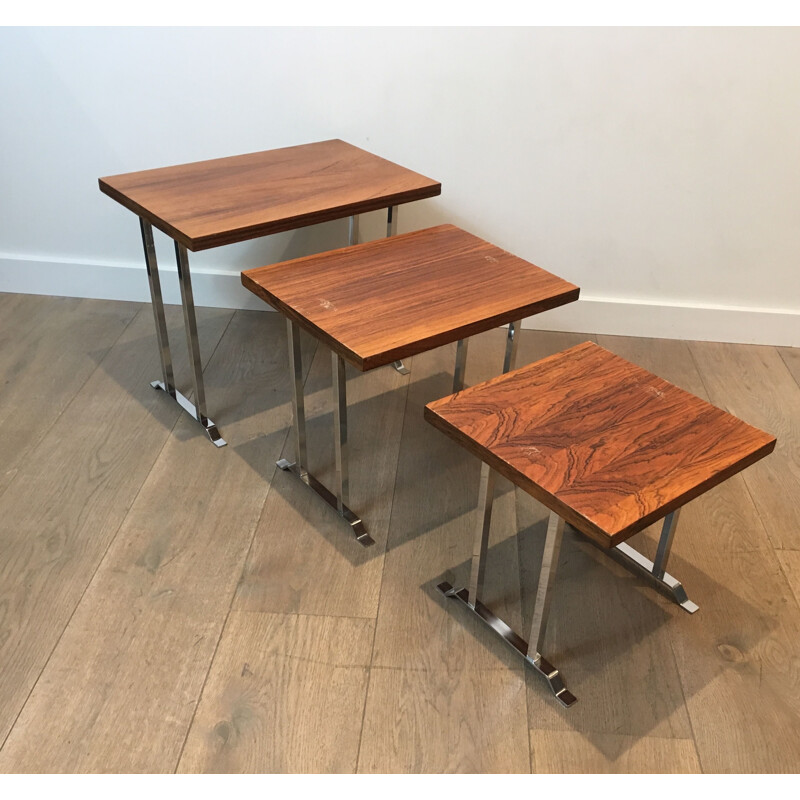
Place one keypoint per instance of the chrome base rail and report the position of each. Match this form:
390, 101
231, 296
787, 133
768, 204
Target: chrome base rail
359, 531
299, 467
208, 425
530, 650
656, 572
538, 662
167, 383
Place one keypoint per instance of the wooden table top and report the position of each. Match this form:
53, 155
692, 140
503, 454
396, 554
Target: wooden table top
380, 302
210, 203
608, 446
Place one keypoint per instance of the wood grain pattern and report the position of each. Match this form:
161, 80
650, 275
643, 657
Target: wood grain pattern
286, 694
754, 383
607, 445
38, 381
210, 203
90, 466
444, 722
387, 300
137, 650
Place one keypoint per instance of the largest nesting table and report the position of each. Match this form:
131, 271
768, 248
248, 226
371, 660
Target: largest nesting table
373, 304
226, 200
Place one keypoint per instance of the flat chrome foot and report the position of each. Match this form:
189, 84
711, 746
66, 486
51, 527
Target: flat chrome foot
208, 426
514, 640
355, 522
401, 367
634, 561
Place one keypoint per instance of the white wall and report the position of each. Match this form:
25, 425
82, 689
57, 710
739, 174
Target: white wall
657, 168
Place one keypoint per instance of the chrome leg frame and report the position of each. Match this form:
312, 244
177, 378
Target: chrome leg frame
353, 234
167, 382
300, 465
510, 360
461, 365
655, 572
391, 230
531, 652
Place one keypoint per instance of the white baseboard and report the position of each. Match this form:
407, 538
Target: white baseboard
604, 315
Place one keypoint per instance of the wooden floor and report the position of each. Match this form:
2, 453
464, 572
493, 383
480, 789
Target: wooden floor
168, 606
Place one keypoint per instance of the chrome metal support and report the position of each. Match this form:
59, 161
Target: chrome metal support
299, 466
391, 221
340, 430
510, 360
514, 640
471, 597
195, 362
655, 573
167, 376
544, 591
353, 233
461, 365
391, 230
481, 541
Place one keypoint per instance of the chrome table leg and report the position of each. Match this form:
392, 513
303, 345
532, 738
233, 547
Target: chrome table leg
391, 230
167, 382
469, 597
656, 572
299, 466
461, 365
510, 360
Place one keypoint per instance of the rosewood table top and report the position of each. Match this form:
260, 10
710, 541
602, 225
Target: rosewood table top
210, 203
605, 444
380, 302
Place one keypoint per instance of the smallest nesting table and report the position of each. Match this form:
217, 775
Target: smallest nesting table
609, 448
377, 303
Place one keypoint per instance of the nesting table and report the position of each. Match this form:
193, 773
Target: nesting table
608, 448
373, 304
211, 203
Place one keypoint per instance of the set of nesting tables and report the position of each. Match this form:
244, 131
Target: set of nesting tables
607, 447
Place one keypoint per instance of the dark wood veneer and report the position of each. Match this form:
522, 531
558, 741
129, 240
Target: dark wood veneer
386, 300
605, 444
210, 203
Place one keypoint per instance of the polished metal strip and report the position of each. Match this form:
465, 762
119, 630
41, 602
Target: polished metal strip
481, 540
298, 404
391, 221
512, 340
353, 231
514, 640
461, 365
665, 543
190, 323
209, 426
168, 378
544, 591
355, 522
340, 430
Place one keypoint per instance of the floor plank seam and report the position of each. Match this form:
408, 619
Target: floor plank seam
796, 379
383, 571
685, 704
90, 581
72, 399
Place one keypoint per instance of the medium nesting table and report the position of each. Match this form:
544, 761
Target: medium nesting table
211, 203
608, 448
376, 303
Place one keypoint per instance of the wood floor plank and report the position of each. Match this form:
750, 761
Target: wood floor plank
738, 656
285, 694
790, 562
69, 497
791, 357
322, 569
573, 752
754, 383
435, 721
136, 653
49, 346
